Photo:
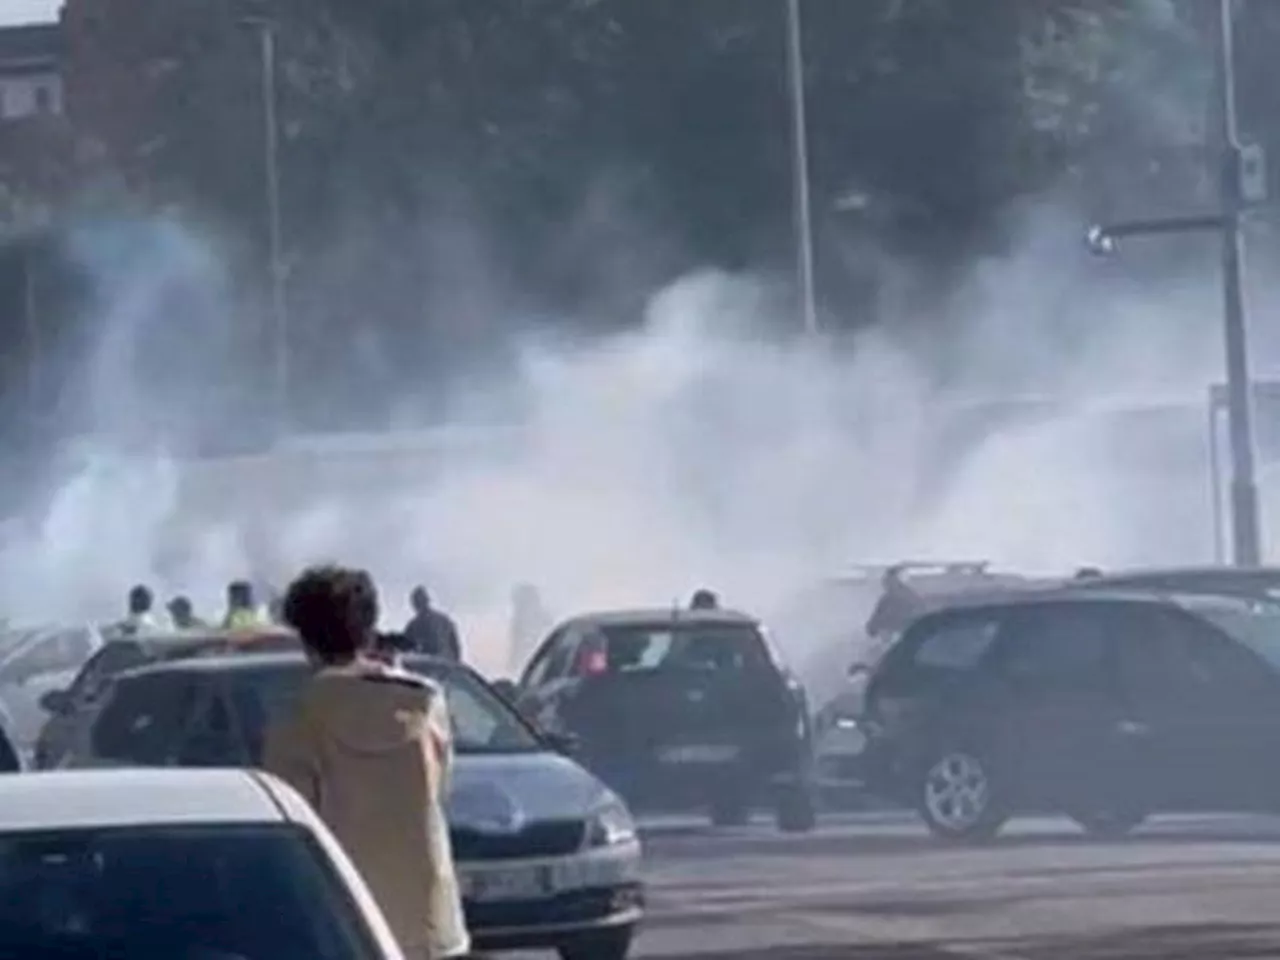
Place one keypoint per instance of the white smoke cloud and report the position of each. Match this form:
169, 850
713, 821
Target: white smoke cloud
702, 448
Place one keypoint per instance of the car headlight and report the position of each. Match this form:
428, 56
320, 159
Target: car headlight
610, 824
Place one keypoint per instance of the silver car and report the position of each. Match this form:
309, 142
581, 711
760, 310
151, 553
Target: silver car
548, 857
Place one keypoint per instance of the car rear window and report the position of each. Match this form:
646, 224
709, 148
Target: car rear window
254, 891
1256, 626
482, 721
719, 647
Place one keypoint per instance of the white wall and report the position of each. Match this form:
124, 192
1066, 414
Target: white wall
20, 96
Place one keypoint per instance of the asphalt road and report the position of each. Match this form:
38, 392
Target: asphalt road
876, 886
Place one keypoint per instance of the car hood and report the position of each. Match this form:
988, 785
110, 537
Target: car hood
500, 789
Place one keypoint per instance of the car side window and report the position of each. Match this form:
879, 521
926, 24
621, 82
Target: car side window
1058, 648
958, 644
536, 671
144, 720
561, 661
212, 738
1177, 662
51, 653
540, 669
97, 674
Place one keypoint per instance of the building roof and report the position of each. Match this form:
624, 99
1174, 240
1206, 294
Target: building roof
120, 798
32, 47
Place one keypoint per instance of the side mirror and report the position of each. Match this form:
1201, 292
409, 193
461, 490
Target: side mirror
56, 702
561, 742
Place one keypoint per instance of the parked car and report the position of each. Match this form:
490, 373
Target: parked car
33, 661
1105, 707
679, 709
176, 864
1257, 582
70, 710
548, 857
827, 623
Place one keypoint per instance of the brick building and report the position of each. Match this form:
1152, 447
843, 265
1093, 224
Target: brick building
30, 71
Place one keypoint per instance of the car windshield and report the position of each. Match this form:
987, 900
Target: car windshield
257, 892
482, 722
722, 647
1256, 625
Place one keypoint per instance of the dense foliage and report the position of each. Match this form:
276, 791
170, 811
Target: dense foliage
450, 166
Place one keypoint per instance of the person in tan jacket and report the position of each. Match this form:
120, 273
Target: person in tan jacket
369, 745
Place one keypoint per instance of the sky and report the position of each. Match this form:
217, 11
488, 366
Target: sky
28, 11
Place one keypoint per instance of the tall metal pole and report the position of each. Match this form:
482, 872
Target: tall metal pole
800, 166
1245, 519
35, 342
1215, 479
279, 298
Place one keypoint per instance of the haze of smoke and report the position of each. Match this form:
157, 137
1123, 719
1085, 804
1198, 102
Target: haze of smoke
700, 449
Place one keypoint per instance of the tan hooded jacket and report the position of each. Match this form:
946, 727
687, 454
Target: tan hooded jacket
369, 746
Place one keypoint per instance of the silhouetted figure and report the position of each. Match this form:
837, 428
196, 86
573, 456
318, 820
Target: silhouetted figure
183, 614
241, 612
898, 606
530, 622
704, 599
140, 617
432, 631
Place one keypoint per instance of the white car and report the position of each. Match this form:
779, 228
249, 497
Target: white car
176, 863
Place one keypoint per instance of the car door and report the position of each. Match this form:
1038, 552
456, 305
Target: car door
212, 737
1057, 705
1206, 713
142, 723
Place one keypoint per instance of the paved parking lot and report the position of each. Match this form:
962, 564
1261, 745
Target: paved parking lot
877, 886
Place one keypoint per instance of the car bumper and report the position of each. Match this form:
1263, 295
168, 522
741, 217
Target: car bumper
547, 924
594, 890
651, 782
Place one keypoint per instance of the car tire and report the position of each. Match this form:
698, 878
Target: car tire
730, 808
797, 810
1108, 824
959, 797
611, 944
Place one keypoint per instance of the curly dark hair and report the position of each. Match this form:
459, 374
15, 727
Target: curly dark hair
334, 610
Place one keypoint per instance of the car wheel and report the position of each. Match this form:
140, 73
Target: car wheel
730, 808
958, 797
797, 810
1108, 824
611, 944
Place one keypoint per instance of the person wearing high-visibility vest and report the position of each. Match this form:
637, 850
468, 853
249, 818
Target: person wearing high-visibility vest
241, 612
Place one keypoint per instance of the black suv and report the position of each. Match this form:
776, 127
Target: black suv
1106, 707
1261, 583
678, 709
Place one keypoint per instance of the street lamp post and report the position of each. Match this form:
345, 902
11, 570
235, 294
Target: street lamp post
1245, 520
265, 30
801, 201
1233, 199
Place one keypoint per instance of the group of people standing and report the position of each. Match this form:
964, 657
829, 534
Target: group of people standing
243, 611
429, 631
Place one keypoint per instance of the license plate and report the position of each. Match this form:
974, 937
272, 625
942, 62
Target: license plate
699, 753
516, 883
